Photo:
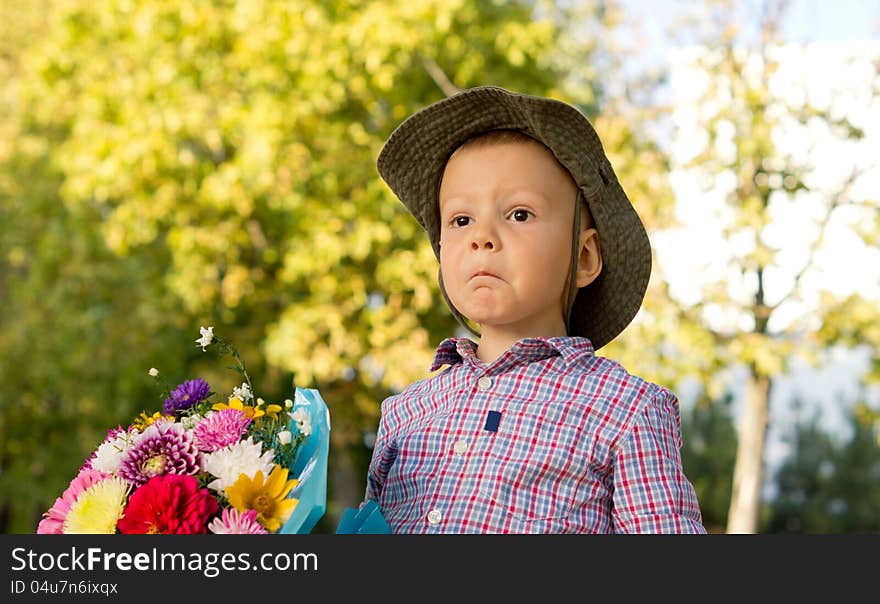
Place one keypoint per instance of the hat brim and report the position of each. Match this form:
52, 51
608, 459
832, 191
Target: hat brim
414, 157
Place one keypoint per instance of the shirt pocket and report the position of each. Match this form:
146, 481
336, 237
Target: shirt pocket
539, 460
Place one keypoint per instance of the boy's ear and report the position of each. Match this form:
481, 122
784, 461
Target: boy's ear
590, 259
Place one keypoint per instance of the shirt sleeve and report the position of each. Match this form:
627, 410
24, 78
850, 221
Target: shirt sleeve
651, 492
384, 454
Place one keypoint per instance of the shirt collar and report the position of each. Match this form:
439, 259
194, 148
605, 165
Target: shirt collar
452, 351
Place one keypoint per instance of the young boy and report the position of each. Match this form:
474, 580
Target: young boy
527, 431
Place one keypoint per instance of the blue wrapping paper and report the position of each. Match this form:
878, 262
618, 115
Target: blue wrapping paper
310, 465
367, 520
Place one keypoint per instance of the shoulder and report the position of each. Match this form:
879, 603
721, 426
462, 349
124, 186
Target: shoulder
403, 402
616, 381
633, 396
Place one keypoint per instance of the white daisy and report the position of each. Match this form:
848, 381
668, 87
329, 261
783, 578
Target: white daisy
244, 457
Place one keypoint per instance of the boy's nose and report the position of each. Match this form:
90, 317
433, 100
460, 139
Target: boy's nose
482, 243
483, 240
484, 236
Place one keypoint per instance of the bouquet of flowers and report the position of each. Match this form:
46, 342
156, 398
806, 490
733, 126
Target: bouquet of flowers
236, 466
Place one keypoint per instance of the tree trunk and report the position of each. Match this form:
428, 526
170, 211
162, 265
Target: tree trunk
749, 468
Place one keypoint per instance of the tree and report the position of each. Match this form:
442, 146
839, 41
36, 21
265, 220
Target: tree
708, 453
173, 165
830, 485
757, 313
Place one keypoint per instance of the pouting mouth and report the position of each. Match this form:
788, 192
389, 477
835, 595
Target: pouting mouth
484, 274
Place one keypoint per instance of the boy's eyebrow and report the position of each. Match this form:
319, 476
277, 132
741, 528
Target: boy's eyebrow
505, 194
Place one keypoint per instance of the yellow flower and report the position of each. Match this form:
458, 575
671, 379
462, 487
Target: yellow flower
235, 403
270, 410
269, 499
254, 413
144, 420
98, 508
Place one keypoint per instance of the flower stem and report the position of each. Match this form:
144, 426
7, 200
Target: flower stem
230, 349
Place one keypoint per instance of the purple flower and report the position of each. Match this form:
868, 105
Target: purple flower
222, 428
163, 448
186, 395
114, 432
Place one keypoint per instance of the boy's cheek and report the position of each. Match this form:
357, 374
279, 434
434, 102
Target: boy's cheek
448, 237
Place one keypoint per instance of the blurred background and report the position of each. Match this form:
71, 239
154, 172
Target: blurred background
166, 165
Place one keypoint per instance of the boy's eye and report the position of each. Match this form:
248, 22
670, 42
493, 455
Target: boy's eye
461, 221
520, 215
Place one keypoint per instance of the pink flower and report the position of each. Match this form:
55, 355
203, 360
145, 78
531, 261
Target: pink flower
165, 447
233, 522
53, 520
220, 429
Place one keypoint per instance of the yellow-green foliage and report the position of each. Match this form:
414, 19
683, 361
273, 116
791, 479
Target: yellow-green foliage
165, 165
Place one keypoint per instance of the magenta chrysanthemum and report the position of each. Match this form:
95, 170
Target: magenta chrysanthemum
163, 448
233, 522
114, 432
222, 428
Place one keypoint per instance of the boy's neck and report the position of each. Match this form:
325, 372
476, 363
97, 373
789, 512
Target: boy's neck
496, 341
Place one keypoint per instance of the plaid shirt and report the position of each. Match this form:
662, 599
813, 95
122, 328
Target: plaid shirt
582, 446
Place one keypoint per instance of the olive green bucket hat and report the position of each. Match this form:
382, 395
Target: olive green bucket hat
414, 156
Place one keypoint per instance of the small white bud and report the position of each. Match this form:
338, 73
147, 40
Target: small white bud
284, 437
303, 421
189, 422
288, 403
153, 371
207, 336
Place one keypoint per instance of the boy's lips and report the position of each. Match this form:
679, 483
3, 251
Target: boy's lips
482, 273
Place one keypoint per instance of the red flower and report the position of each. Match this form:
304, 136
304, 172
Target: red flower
168, 504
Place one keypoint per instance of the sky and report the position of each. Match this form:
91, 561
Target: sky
812, 20
828, 35
806, 20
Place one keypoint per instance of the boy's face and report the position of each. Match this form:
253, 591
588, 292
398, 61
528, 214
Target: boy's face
506, 213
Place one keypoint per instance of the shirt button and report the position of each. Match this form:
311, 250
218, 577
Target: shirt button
460, 446
434, 517
484, 383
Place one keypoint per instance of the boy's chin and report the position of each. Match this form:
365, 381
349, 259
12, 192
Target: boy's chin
507, 323
483, 317
494, 325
